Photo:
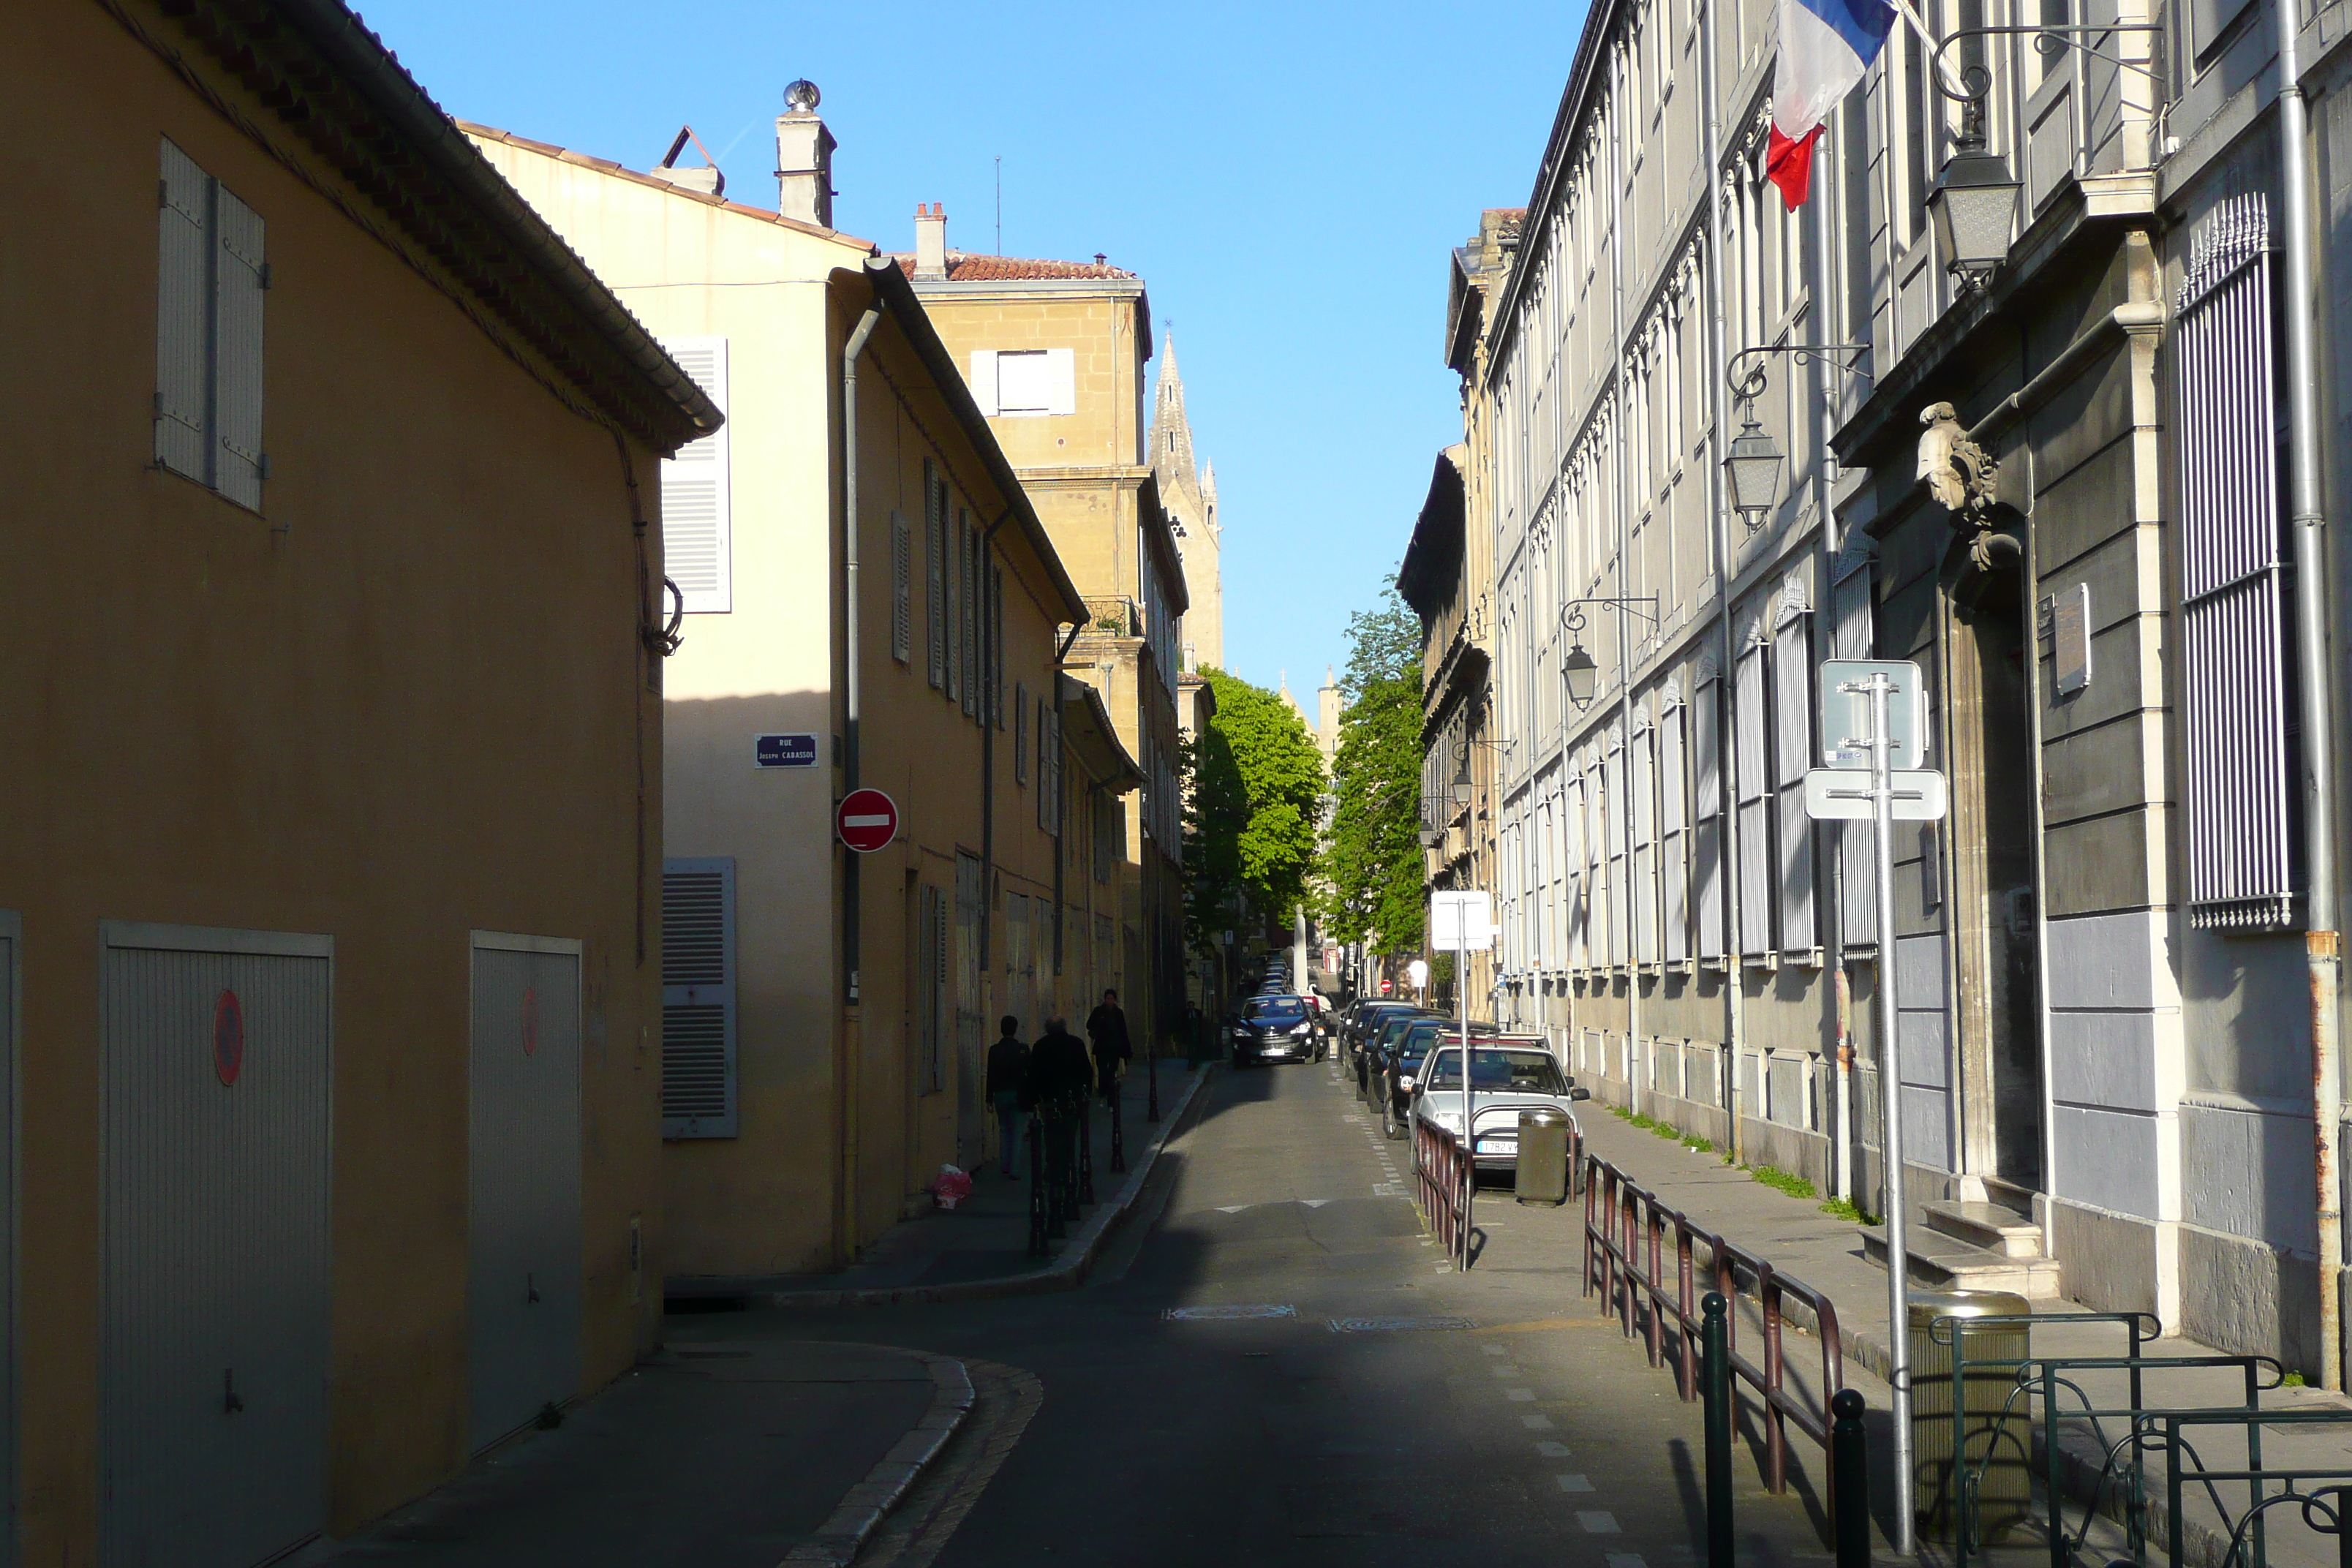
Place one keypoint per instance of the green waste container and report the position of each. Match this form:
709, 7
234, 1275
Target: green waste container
1540, 1175
1998, 1454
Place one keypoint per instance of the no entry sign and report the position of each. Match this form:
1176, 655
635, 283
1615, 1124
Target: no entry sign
867, 819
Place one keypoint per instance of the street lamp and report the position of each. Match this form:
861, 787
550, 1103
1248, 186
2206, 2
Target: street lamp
1582, 675
1754, 467
1970, 207
1577, 671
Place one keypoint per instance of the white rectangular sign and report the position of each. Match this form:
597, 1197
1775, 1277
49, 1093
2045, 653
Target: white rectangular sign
1462, 920
1846, 712
1834, 793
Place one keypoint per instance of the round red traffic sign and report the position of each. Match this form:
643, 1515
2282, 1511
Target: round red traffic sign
1387, 986
867, 819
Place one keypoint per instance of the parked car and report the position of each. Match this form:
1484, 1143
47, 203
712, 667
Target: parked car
1363, 1020
1392, 1074
1273, 1028
1374, 1050
1505, 1078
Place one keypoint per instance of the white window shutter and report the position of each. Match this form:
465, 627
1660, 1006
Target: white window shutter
1792, 747
983, 379
184, 317
240, 275
698, 1098
1644, 889
902, 589
1707, 809
1751, 770
1674, 838
1061, 382
935, 578
697, 522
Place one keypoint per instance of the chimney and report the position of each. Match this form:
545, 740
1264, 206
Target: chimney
803, 158
930, 241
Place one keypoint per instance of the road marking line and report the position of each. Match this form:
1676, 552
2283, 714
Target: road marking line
1535, 1422
1505, 1370
1495, 1349
1596, 1522
1551, 1450
1573, 1483
1519, 1395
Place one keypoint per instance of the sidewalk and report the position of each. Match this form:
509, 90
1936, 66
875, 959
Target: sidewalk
980, 1247
1826, 1253
714, 1456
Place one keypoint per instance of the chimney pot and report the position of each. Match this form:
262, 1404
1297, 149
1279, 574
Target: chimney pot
805, 164
930, 241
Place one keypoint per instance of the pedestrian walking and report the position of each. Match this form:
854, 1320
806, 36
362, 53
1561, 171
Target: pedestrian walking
1106, 1027
1008, 1088
1058, 1077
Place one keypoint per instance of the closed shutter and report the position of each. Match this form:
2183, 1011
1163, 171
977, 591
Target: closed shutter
996, 647
698, 1098
934, 570
2243, 804
1706, 814
240, 274
975, 572
1617, 801
1674, 830
959, 569
183, 293
1792, 754
1576, 947
1853, 635
1751, 769
902, 590
1054, 775
1043, 789
983, 379
1020, 733
697, 519
1061, 382
1643, 807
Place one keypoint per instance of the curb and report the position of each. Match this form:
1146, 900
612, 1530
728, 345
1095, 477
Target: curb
863, 1508
1066, 1272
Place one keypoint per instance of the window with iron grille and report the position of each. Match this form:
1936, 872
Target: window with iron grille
2243, 815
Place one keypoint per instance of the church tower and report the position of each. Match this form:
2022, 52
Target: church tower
1189, 492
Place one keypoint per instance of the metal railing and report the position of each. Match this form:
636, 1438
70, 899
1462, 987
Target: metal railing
1444, 1172
1622, 1219
2160, 1431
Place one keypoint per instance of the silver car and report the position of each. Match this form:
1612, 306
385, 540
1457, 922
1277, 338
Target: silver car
1505, 1078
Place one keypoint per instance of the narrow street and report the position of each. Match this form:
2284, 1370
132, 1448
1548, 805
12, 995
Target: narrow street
1272, 1365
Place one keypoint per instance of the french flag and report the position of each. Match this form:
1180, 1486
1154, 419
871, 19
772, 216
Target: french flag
1825, 47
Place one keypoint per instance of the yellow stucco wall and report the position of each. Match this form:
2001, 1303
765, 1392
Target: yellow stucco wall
400, 704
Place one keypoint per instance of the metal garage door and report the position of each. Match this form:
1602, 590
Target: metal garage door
217, 1102
524, 1257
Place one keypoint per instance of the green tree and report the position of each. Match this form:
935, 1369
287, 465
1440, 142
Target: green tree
1374, 864
1256, 789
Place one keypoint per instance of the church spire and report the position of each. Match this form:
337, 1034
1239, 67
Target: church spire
1171, 432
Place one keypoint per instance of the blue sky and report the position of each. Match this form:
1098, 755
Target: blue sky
1287, 179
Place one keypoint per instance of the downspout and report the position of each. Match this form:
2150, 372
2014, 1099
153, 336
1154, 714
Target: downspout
1726, 727
2308, 520
1635, 1060
1833, 938
852, 698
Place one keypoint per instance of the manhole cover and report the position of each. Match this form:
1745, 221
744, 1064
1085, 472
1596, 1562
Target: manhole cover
1398, 1325
1227, 1314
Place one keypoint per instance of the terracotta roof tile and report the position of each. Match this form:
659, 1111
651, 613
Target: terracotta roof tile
965, 268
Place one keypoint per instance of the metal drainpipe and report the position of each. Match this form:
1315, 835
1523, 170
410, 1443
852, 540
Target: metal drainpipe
1726, 728
1825, 391
2322, 952
1633, 1054
852, 698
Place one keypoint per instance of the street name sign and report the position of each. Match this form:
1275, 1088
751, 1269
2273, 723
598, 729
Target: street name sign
866, 820
1462, 921
1917, 796
1845, 713
783, 751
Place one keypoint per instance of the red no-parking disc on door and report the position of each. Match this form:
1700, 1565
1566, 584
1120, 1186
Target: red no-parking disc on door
866, 820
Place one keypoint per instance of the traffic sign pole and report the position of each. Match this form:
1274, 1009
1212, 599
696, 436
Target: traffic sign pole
1890, 1109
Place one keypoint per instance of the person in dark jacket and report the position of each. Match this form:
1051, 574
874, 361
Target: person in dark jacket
1008, 1088
1058, 1075
1106, 1027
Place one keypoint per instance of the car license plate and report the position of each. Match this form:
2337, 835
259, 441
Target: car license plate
1499, 1145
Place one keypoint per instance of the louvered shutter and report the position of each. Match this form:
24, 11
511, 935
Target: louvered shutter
1852, 635
1793, 753
1020, 733
934, 570
968, 623
240, 275
698, 998
959, 595
1055, 764
1044, 787
996, 646
902, 590
1706, 811
1617, 798
1643, 891
697, 508
1576, 941
1753, 796
184, 317
983, 379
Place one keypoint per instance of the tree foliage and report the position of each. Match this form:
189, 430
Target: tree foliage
1250, 823
1374, 863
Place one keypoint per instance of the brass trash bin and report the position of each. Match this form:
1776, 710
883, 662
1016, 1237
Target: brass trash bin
1541, 1172
2005, 1491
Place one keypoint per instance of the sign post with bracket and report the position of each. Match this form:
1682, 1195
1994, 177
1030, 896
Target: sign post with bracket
1873, 713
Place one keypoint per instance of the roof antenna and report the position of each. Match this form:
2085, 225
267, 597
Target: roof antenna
999, 204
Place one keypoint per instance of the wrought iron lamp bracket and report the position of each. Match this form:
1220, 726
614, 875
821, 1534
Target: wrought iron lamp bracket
1749, 381
1571, 615
1975, 82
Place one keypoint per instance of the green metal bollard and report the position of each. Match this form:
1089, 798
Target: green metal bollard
1850, 1479
1714, 1341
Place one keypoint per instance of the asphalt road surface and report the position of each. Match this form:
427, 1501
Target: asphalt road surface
1273, 1364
